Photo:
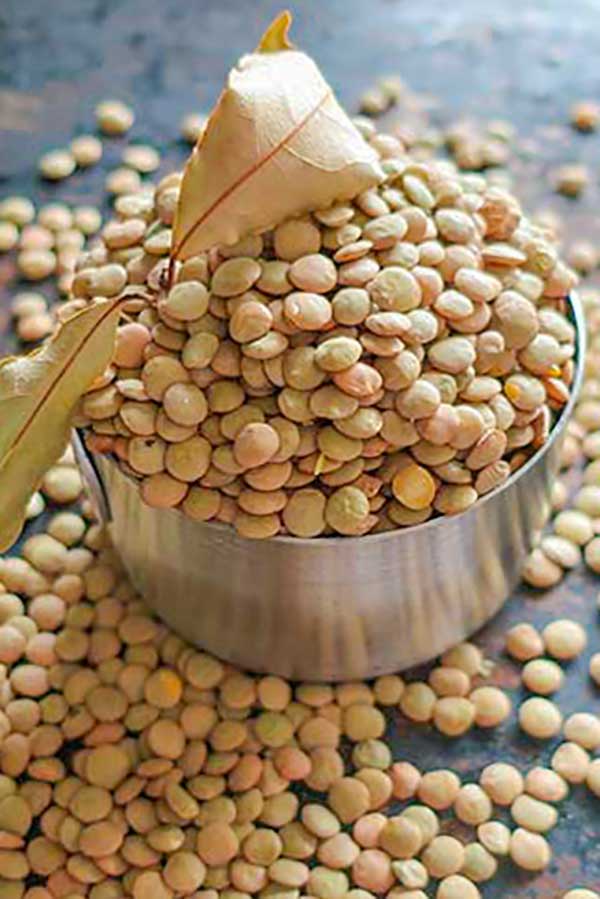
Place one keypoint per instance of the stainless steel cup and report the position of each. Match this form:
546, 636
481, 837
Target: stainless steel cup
333, 608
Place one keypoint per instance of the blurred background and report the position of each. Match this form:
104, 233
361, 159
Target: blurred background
503, 77
525, 60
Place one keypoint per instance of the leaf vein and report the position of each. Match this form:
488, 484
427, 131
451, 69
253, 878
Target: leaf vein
250, 172
58, 377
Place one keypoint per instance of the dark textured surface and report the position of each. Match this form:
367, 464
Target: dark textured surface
520, 61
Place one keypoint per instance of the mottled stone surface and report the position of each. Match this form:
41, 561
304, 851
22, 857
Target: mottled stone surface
526, 62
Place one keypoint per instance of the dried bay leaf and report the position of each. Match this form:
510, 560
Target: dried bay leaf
277, 145
38, 396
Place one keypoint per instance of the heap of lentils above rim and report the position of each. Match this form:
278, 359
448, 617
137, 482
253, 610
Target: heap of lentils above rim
360, 369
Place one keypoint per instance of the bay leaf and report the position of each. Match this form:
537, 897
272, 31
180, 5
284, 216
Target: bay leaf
38, 396
277, 145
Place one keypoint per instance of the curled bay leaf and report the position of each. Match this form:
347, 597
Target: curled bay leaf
38, 396
277, 145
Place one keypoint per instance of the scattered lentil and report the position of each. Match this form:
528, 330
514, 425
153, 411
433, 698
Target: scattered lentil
545, 784
479, 864
142, 158
472, 805
457, 887
540, 571
86, 150
572, 762
571, 179
492, 706
564, 639
529, 851
439, 789
592, 778
57, 165
583, 728
9, 236
542, 676
523, 642
453, 716
114, 117
503, 783
585, 116
540, 718
533, 814
18, 210
495, 837
445, 855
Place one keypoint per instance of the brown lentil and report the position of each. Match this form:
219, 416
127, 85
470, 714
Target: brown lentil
542, 676
114, 117
540, 718
529, 850
564, 639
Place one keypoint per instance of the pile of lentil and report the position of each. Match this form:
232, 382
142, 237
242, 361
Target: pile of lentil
134, 764
357, 370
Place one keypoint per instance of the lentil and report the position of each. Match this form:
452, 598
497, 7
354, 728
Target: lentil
503, 783
529, 851
542, 676
411, 873
585, 116
479, 864
491, 706
142, 158
593, 777
445, 855
86, 150
114, 117
571, 762
192, 126
564, 639
9, 236
533, 814
583, 729
540, 571
540, 718
57, 164
495, 837
545, 784
439, 789
18, 210
472, 805
457, 887
523, 642
453, 716
418, 702
465, 656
